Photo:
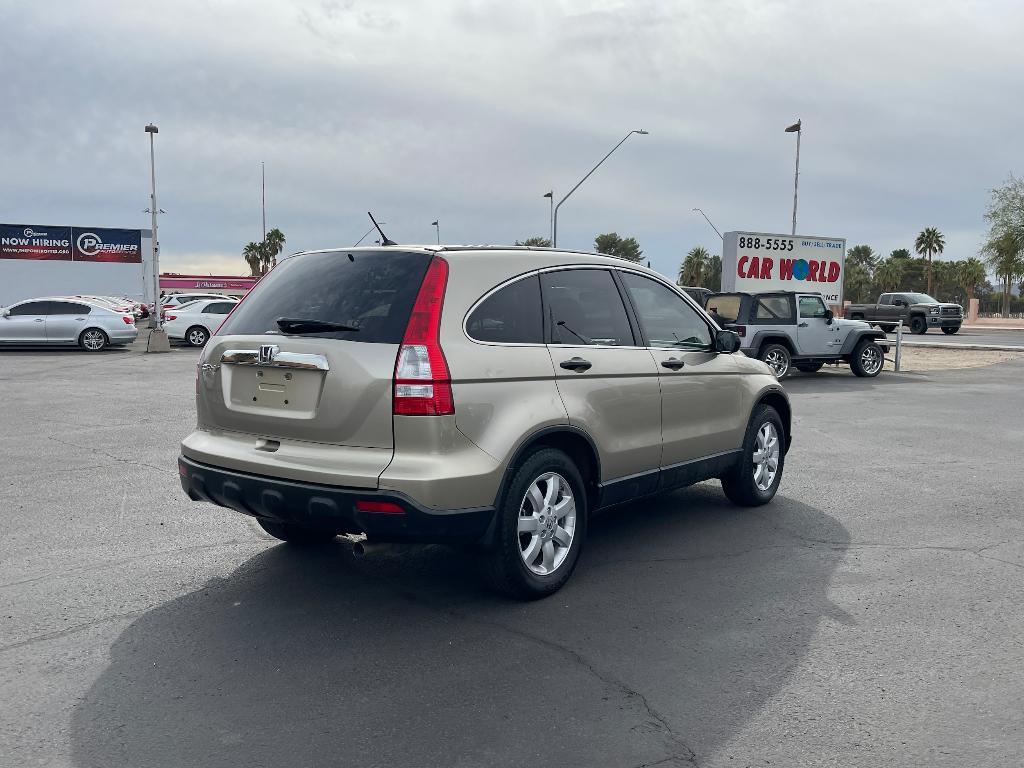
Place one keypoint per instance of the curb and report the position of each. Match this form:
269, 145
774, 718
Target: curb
942, 345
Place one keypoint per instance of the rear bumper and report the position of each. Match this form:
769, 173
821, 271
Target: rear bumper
329, 507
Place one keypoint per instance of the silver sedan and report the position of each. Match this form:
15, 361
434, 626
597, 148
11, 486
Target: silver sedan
65, 321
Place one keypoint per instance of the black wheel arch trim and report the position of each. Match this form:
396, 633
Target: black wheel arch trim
770, 396
759, 339
855, 337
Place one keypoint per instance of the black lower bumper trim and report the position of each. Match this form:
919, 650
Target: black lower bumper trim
329, 507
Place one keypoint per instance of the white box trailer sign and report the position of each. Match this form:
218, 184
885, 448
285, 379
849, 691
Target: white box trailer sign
756, 262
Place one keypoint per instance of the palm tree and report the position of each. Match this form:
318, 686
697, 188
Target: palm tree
694, 266
969, 275
929, 242
900, 253
1005, 254
889, 274
253, 254
274, 244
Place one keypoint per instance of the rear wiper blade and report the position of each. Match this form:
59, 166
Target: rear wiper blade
302, 325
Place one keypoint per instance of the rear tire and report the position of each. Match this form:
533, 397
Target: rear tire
297, 534
743, 484
540, 527
93, 340
950, 331
197, 336
918, 325
777, 358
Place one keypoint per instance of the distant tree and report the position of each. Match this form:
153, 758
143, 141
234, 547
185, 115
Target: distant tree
253, 255
613, 245
929, 242
863, 255
273, 246
694, 268
970, 275
947, 285
535, 242
857, 285
1006, 257
900, 253
714, 278
889, 275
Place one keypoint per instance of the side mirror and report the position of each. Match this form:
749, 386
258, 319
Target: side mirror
829, 316
727, 342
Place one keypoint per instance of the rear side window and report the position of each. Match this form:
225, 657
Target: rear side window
511, 315
372, 291
219, 307
775, 309
67, 308
725, 309
584, 307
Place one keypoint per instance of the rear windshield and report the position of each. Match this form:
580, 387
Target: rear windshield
370, 290
725, 309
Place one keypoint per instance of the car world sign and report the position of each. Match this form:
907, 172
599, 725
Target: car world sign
49, 243
756, 262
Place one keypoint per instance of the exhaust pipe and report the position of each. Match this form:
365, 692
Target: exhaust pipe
364, 547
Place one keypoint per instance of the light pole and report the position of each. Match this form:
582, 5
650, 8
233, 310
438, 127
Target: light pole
437, 227
554, 215
709, 222
157, 338
551, 216
798, 129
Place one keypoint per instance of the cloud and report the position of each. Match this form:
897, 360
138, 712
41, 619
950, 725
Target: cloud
468, 112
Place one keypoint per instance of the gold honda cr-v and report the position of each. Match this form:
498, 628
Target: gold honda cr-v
495, 397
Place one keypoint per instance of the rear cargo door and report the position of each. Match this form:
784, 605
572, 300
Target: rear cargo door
309, 355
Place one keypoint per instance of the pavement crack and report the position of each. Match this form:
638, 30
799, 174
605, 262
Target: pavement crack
74, 628
679, 750
94, 449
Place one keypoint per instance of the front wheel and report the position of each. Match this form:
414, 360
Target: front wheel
541, 527
296, 534
778, 359
197, 336
867, 359
92, 340
755, 478
918, 325
950, 331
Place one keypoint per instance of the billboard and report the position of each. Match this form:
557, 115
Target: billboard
92, 244
756, 262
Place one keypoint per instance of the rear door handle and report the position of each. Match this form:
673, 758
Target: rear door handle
38, 320
673, 363
575, 364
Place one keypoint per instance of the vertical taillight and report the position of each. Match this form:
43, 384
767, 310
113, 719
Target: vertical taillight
422, 384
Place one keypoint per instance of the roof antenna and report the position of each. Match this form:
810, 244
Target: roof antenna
383, 238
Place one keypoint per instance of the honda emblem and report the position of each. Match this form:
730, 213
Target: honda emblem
267, 353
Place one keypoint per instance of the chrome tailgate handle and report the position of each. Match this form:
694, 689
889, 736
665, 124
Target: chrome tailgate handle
275, 359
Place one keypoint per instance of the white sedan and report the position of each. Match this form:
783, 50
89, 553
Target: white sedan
195, 322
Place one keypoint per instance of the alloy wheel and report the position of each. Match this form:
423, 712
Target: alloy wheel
766, 456
93, 340
547, 523
777, 361
871, 359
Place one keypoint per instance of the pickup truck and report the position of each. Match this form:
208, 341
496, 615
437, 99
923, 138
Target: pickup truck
918, 310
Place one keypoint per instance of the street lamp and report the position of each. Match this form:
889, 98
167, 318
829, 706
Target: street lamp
157, 338
554, 215
709, 222
796, 128
437, 227
551, 216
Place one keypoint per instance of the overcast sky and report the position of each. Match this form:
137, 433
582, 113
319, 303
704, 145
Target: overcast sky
468, 112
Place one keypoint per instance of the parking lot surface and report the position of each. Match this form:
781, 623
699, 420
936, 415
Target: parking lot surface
870, 616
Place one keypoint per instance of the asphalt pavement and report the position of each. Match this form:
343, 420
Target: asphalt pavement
870, 616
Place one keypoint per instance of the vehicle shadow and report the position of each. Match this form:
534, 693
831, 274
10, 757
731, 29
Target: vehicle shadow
686, 616
842, 380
